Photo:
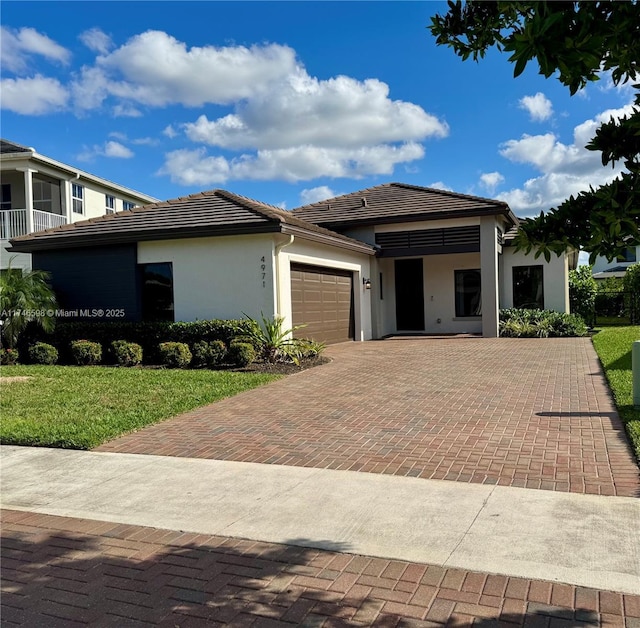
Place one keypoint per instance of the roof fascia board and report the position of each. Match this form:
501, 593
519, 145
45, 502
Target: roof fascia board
388, 220
73, 241
322, 238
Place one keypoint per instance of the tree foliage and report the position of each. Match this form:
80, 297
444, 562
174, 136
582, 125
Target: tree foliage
582, 293
576, 42
25, 297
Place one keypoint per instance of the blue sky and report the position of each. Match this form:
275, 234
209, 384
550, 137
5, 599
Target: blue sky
289, 102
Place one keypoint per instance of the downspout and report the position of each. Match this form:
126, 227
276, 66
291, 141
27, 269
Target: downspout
279, 248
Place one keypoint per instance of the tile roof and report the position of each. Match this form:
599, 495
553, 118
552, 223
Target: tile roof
211, 213
397, 202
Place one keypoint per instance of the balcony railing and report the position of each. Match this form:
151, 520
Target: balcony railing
13, 222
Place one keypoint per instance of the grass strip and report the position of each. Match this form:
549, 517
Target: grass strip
82, 407
613, 346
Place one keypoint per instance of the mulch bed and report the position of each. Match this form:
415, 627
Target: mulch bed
284, 368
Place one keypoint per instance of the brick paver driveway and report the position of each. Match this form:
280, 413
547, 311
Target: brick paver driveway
533, 413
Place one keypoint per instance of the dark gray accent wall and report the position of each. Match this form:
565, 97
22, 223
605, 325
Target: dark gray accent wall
100, 278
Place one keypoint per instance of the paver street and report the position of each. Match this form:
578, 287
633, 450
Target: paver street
61, 571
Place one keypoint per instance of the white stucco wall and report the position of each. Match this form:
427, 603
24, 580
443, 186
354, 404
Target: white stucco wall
555, 275
439, 294
602, 264
306, 252
217, 277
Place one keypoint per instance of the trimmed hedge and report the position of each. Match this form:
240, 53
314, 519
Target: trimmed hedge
241, 354
208, 354
126, 353
86, 353
175, 355
147, 334
9, 357
43, 353
524, 323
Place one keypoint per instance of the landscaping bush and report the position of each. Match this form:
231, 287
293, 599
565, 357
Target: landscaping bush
43, 353
308, 349
147, 334
175, 355
631, 286
271, 341
241, 354
126, 353
582, 293
9, 357
208, 354
86, 353
524, 323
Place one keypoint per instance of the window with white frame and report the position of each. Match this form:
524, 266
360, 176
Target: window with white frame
110, 203
77, 198
42, 196
127, 206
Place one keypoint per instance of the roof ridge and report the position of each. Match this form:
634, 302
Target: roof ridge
412, 186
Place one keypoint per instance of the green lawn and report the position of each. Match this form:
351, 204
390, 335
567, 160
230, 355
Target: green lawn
81, 407
613, 345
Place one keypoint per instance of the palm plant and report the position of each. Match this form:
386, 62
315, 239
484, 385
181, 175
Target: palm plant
271, 340
25, 296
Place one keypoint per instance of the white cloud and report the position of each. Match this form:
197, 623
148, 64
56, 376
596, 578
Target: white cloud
191, 167
339, 112
313, 195
156, 69
303, 128
566, 169
108, 149
170, 132
97, 40
491, 180
33, 96
539, 106
115, 149
126, 111
439, 185
18, 46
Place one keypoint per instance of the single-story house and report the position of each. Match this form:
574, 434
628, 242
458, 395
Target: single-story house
390, 259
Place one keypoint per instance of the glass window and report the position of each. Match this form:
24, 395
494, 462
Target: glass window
5, 198
468, 293
110, 203
629, 255
77, 198
127, 206
42, 196
528, 290
157, 291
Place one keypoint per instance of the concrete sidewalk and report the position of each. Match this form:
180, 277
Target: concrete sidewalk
586, 540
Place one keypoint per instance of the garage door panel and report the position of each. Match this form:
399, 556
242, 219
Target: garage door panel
322, 300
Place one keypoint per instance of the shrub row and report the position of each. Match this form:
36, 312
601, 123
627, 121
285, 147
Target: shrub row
523, 323
148, 335
123, 353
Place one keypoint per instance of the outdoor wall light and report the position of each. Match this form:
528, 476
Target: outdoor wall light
366, 283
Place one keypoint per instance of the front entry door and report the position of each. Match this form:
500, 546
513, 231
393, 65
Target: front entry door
409, 295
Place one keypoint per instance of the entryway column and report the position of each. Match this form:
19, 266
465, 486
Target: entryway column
489, 276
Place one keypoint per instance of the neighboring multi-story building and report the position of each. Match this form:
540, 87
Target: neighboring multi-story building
603, 268
39, 193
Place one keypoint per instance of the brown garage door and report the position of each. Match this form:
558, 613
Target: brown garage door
322, 299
